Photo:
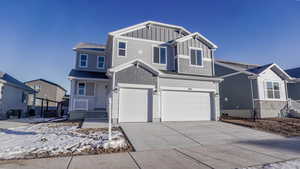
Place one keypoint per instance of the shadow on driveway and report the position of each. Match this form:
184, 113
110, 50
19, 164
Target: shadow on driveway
287, 144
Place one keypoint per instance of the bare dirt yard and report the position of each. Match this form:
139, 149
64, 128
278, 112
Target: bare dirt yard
289, 127
52, 139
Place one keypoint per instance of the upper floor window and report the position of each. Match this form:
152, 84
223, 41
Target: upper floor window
272, 90
159, 55
81, 89
122, 48
196, 56
101, 62
83, 60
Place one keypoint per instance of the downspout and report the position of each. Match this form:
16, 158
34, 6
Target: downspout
287, 96
252, 95
158, 97
213, 61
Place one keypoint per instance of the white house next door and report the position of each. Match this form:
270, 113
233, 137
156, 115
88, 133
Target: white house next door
135, 105
186, 106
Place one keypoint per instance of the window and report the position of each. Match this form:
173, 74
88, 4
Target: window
160, 55
83, 61
37, 88
122, 47
81, 89
272, 90
24, 98
101, 62
196, 57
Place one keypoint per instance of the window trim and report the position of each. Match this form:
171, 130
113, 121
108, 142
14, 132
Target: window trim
190, 57
153, 46
266, 90
84, 89
118, 41
103, 62
87, 60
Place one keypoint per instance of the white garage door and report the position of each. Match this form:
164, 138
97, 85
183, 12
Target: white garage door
185, 106
135, 105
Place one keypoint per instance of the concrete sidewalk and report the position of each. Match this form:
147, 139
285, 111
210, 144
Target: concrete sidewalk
199, 157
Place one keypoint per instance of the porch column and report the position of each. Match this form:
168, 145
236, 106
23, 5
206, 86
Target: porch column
72, 93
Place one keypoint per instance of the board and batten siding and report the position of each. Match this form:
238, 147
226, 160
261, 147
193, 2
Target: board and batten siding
156, 33
184, 66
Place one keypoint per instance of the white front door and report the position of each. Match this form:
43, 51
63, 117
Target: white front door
185, 106
135, 105
100, 94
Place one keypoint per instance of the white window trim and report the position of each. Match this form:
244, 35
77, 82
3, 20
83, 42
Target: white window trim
87, 60
266, 90
98, 62
126, 48
195, 48
84, 89
159, 54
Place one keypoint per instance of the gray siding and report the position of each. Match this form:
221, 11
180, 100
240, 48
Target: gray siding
92, 61
183, 50
186, 68
237, 90
134, 75
144, 51
294, 91
156, 33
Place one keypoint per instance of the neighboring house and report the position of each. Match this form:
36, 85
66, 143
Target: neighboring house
13, 94
46, 91
248, 87
146, 72
294, 88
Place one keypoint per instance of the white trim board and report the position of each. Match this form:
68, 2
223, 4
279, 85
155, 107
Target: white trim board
136, 86
188, 89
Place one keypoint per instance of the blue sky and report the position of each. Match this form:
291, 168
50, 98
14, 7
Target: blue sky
37, 36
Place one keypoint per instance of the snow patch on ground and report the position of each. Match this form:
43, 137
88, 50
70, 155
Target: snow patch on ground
292, 164
41, 120
54, 139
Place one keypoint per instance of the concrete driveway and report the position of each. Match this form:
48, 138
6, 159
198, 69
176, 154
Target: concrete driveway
188, 145
169, 135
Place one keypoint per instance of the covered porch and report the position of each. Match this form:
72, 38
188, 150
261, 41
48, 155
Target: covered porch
88, 95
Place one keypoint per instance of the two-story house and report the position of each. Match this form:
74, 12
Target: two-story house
146, 72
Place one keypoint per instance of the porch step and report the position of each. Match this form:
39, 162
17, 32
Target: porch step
94, 123
96, 115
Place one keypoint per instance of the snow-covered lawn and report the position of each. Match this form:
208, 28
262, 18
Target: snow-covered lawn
57, 139
292, 164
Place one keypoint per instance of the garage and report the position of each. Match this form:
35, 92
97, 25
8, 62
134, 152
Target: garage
135, 105
185, 105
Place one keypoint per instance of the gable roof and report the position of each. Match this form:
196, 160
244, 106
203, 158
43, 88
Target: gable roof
11, 80
46, 81
294, 72
135, 62
144, 24
90, 46
198, 35
252, 69
237, 65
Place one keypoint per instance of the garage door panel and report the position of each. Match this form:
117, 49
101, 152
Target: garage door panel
134, 105
185, 106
